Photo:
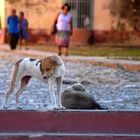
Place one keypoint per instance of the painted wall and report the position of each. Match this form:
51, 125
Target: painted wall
41, 14
2, 20
106, 29
104, 20
102, 16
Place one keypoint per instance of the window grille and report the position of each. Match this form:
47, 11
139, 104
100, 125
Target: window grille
80, 10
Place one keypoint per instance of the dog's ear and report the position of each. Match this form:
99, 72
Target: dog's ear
41, 66
48, 63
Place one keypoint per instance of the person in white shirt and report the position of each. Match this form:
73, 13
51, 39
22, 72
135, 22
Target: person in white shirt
64, 28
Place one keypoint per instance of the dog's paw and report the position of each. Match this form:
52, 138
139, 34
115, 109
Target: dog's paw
56, 107
62, 108
51, 107
19, 108
5, 107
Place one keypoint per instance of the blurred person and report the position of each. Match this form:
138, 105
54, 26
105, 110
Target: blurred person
86, 22
64, 28
23, 30
13, 30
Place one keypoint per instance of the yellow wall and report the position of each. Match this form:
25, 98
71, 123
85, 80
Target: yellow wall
102, 16
40, 13
2, 20
2, 13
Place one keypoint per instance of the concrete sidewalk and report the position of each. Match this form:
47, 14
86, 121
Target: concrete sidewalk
128, 65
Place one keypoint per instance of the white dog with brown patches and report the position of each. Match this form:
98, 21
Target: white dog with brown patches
50, 70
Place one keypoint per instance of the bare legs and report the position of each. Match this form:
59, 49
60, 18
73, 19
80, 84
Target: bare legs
66, 50
59, 50
21, 43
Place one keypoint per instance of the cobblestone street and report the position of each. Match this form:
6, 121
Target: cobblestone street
113, 88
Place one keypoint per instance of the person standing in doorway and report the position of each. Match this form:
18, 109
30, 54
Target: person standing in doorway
64, 25
13, 30
23, 30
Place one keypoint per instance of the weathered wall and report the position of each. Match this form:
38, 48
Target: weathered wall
102, 20
106, 27
40, 14
2, 20
102, 16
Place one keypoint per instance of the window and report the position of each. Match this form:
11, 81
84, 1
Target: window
82, 11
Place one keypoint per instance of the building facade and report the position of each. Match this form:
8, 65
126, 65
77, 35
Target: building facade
92, 19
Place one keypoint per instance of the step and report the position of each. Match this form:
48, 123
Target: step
124, 122
67, 136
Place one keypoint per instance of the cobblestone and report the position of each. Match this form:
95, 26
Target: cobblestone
113, 88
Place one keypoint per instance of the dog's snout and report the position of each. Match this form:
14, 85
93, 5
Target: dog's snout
45, 77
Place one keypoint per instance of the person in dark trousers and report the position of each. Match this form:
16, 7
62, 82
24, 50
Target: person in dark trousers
13, 29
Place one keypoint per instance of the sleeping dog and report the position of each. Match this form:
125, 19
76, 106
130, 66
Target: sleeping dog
49, 70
